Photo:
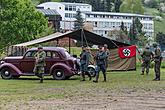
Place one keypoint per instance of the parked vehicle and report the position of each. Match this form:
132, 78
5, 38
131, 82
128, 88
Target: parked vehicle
59, 64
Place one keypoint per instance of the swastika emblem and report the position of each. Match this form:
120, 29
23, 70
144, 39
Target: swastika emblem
126, 52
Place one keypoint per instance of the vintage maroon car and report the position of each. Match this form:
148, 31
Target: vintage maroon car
59, 64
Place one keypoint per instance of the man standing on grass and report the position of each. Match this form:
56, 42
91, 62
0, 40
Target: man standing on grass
107, 53
157, 59
40, 63
100, 63
147, 56
84, 62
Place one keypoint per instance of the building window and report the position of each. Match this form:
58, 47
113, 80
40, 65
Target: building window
70, 8
105, 32
74, 8
95, 24
66, 15
66, 7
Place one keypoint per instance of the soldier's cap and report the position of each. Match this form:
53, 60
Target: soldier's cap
105, 45
40, 47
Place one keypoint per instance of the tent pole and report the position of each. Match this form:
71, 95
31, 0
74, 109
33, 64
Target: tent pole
69, 45
82, 38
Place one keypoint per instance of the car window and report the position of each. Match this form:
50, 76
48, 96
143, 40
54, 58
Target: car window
30, 54
48, 54
55, 55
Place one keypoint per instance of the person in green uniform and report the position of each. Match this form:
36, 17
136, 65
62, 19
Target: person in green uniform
147, 56
84, 62
40, 63
157, 60
107, 53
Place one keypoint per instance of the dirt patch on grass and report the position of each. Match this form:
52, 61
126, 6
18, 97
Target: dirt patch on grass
104, 101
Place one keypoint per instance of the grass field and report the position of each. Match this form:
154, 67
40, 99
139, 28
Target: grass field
27, 93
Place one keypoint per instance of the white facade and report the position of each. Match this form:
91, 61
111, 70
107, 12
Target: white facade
102, 21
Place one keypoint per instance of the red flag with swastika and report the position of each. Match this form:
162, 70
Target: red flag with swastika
127, 52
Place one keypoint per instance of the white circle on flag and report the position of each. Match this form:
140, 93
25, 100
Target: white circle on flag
126, 52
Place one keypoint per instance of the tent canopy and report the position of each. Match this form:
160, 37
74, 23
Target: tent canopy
78, 35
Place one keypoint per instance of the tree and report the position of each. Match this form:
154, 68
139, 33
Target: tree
117, 5
79, 22
132, 6
20, 22
136, 32
42, 1
160, 38
123, 28
151, 3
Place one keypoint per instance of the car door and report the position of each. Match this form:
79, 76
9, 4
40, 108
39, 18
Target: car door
52, 57
28, 62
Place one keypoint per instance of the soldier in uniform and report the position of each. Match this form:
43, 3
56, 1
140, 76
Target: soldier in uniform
108, 53
100, 63
147, 56
40, 63
157, 60
84, 62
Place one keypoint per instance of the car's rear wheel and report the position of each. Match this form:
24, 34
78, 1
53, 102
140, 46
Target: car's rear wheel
92, 71
59, 74
5, 73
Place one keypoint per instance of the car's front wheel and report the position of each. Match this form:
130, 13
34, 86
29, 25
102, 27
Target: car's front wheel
5, 73
59, 74
92, 71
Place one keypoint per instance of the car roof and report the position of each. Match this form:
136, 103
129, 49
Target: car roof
49, 48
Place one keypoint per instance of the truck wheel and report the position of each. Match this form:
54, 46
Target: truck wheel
92, 71
5, 73
58, 74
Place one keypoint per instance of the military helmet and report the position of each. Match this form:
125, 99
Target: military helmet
40, 47
147, 47
155, 44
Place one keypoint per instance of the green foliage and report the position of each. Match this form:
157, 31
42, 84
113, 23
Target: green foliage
117, 4
20, 22
79, 21
160, 38
132, 6
151, 3
135, 31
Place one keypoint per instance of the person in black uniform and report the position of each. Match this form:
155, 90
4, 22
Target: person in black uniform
100, 63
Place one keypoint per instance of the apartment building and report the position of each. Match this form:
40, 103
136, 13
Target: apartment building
100, 22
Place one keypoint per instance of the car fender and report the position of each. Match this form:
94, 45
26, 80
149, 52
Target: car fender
65, 67
14, 69
92, 66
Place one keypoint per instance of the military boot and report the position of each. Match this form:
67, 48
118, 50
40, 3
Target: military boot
83, 76
89, 75
104, 77
97, 77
